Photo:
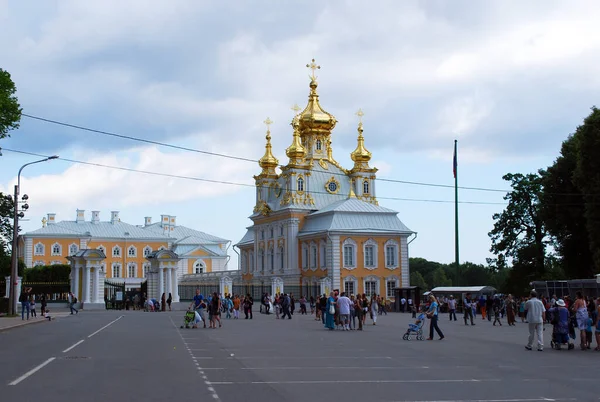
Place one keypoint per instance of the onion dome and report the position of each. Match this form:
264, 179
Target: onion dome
313, 117
360, 154
268, 162
296, 150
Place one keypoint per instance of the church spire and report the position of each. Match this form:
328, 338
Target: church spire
268, 162
295, 151
361, 156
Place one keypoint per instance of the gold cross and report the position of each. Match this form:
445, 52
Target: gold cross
313, 66
360, 114
268, 122
296, 108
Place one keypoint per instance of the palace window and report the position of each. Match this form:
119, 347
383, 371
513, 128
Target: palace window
262, 260
391, 254
132, 251
199, 267
281, 230
116, 251
271, 233
132, 270
370, 288
262, 234
305, 256
350, 285
252, 262
39, 249
349, 253
366, 187
146, 269
313, 256
162, 248
300, 184
147, 251
281, 258
116, 270
319, 145
101, 248
56, 262
271, 260
73, 249
323, 256
390, 285
56, 249
38, 263
370, 254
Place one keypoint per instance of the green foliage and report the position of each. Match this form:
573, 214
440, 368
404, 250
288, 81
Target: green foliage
48, 273
10, 110
587, 177
5, 264
429, 274
416, 279
519, 232
440, 279
6, 220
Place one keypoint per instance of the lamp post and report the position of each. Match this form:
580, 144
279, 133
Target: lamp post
14, 259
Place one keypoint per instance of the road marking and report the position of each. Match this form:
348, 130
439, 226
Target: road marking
32, 371
73, 346
106, 326
500, 400
304, 357
348, 382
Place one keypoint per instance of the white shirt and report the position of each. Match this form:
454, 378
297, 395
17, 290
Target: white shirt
535, 308
451, 304
344, 305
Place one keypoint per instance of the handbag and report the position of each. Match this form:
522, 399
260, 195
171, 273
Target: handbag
331, 310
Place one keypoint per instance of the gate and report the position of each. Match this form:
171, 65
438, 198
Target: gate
114, 295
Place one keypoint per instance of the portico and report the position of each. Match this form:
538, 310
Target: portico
87, 278
162, 276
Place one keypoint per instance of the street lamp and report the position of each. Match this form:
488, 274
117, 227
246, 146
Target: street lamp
17, 215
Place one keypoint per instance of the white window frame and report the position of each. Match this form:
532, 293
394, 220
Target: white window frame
313, 256
162, 248
281, 230
370, 243
72, 247
56, 253
40, 247
39, 263
388, 280
129, 267
116, 267
300, 184
323, 255
351, 244
281, 258
319, 145
271, 260
261, 255
147, 251
252, 261
129, 251
373, 279
350, 280
366, 187
55, 262
145, 269
391, 243
305, 256
199, 267
117, 251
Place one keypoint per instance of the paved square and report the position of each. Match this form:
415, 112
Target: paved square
147, 357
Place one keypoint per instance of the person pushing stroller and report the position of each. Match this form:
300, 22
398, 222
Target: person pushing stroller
560, 326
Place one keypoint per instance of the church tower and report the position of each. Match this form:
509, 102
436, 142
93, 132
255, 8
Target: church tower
362, 175
266, 180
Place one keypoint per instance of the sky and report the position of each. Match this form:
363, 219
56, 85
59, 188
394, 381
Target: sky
510, 80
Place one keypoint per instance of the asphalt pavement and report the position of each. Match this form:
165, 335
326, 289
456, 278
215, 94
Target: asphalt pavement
137, 356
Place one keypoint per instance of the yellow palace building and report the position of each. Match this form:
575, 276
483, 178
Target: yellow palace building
317, 226
125, 247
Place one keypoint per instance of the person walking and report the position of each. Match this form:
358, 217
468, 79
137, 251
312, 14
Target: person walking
536, 315
72, 300
169, 301
468, 311
452, 307
432, 313
285, 306
330, 312
581, 316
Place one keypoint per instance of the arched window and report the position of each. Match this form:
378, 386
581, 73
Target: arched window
391, 283
271, 259
146, 269
39, 249
366, 187
313, 255
349, 253
116, 270
56, 249
116, 251
199, 267
319, 145
391, 254
261, 256
300, 184
350, 285
252, 262
73, 249
370, 254
132, 251
281, 258
147, 251
132, 270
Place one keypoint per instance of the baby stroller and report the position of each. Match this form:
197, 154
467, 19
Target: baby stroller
415, 329
191, 318
559, 339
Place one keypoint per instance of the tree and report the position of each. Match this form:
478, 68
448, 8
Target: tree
416, 279
563, 211
48, 273
10, 116
587, 177
519, 232
440, 279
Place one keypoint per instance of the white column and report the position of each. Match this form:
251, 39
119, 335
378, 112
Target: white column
161, 282
7, 294
96, 298
175, 284
86, 284
169, 275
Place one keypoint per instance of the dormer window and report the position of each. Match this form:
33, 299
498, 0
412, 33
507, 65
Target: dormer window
300, 184
366, 187
319, 145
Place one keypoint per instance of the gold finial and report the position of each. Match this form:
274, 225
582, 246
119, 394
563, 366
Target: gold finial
44, 221
360, 115
268, 122
313, 66
360, 155
352, 194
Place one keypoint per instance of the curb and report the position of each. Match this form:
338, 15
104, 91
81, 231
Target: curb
23, 324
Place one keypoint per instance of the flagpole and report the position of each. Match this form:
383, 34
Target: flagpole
456, 247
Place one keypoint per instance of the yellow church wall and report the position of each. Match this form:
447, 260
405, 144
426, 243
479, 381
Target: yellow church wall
48, 243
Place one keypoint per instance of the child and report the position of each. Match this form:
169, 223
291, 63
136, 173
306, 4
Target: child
32, 306
588, 333
48, 315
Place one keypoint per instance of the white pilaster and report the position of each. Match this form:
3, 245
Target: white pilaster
335, 270
97, 298
76, 282
169, 275
175, 286
161, 282
86, 284
28, 252
404, 268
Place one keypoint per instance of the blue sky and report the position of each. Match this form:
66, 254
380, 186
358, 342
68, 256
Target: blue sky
509, 80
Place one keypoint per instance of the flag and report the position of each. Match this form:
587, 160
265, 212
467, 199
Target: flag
455, 161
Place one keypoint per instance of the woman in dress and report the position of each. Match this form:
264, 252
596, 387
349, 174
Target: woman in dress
581, 315
510, 310
163, 302
330, 318
169, 301
374, 308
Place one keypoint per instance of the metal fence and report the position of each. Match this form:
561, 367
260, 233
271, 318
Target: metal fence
54, 291
256, 290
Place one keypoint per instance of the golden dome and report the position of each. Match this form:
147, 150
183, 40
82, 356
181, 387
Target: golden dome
268, 162
296, 150
360, 154
313, 117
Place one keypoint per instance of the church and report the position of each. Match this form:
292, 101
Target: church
317, 226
